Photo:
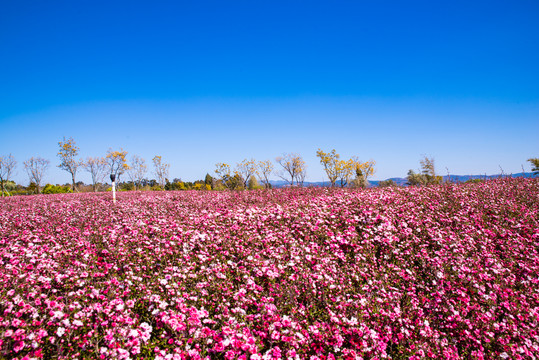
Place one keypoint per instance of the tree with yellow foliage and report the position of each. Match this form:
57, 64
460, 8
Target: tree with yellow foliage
117, 162
344, 171
264, 170
68, 152
222, 170
353, 172
231, 180
363, 170
331, 164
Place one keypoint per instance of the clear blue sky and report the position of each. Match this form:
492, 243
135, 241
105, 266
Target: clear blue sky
203, 82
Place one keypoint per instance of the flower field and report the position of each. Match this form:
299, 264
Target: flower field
448, 272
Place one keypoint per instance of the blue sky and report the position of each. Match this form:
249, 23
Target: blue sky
206, 82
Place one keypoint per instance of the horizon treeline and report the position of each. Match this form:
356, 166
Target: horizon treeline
247, 174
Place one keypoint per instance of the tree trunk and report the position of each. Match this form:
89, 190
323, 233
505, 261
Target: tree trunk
73, 179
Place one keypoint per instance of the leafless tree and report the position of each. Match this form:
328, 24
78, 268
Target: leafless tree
161, 170
35, 168
7, 167
137, 170
293, 167
246, 169
97, 167
302, 174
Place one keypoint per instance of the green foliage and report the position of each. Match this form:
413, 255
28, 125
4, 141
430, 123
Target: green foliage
253, 184
175, 185
126, 186
427, 175
535, 165
234, 182
180, 185
415, 179
7, 187
387, 183
474, 181
218, 186
56, 189
208, 180
32, 188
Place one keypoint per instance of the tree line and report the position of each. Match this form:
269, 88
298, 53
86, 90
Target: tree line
247, 174
114, 162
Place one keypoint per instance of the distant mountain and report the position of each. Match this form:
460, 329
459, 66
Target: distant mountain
402, 181
462, 178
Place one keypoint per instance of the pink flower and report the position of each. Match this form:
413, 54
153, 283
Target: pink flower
18, 346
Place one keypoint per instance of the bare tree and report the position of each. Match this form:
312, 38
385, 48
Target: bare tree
137, 170
97, 167
246, 169
7, 166
265, 168
68, 152
302, 174
293, 166
35, 168
161, 170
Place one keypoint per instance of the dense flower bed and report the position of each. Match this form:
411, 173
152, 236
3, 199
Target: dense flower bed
436, 272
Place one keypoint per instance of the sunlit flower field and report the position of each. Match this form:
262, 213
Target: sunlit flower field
447, 272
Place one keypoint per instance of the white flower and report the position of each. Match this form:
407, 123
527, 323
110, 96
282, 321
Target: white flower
58, 315
61, 331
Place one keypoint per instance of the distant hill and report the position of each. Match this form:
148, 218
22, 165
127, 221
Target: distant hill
402, 181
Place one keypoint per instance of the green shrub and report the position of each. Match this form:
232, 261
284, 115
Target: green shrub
387, 183
56, 189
